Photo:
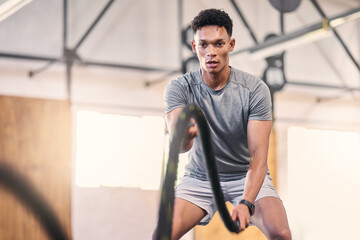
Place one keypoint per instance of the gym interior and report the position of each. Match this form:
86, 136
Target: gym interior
83, 139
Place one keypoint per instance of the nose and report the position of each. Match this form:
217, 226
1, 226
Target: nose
211, 51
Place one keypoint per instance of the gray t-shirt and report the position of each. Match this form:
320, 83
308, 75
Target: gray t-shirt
227, 111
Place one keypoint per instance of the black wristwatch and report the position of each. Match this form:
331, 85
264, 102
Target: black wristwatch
250, 205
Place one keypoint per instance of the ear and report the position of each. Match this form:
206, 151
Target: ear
232, 44
193, 46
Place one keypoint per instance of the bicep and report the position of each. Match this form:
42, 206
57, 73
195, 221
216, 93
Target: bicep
260, 107
258, 133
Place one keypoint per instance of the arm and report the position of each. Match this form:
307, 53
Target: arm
192, 132
258, 143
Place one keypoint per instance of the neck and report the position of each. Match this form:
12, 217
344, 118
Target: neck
216, 80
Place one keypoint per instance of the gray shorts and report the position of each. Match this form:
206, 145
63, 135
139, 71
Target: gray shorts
200, 193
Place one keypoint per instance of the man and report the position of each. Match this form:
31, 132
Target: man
237, 107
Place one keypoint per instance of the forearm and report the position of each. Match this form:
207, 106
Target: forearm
258, 142
187, 141
186, 145
192, 131
253, 182
254, 179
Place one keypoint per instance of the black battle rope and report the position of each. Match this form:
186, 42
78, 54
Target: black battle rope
167, 193
19, 186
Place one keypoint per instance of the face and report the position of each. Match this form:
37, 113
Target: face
213, 45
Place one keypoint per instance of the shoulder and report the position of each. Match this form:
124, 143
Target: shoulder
247, 80
190, 78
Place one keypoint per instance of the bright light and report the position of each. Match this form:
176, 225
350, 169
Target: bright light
291, 43
152, 152
323, 170
182, 160
118, 151
9, 7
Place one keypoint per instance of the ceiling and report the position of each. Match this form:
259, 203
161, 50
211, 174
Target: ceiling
139, 41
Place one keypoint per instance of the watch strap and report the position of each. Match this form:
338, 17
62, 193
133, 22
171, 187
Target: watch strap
250, 205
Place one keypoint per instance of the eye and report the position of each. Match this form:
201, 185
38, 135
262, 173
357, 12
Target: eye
219, 44
203, 44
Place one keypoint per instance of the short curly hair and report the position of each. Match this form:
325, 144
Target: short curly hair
214, 17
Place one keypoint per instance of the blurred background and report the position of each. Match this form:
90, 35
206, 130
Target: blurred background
82, 116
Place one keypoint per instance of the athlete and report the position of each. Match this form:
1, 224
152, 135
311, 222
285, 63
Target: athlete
237, 107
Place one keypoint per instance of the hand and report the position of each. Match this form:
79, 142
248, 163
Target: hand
241, 212
191, 133
192, 130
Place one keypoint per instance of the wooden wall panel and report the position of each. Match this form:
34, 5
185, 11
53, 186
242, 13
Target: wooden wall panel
216, 229
35, 139
272, 157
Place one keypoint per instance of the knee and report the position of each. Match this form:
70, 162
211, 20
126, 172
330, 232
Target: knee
281, 234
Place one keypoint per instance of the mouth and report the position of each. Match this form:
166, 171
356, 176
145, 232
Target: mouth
212, 63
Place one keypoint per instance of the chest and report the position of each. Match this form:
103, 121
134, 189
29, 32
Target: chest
226, 110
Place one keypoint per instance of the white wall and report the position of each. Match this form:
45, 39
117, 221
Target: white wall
311, 171
114, 213
293, 109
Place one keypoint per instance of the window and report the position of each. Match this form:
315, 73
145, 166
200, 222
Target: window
119, 151
323, 183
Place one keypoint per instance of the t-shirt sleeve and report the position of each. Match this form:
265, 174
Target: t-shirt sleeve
175, 95
260, 102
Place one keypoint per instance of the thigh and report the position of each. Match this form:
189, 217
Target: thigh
236, 190
270, 217
186, 216
199, 193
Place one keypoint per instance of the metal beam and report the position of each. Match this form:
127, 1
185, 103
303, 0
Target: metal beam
28, 57
68, 81
126, 66
93, 24
321, 86
65, 13
52, 60
282, 30
252, 34
64, 41
277, 44
41, 69
347, 50
69, 57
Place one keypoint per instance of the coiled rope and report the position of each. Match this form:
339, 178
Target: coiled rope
167, 194
20, 187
